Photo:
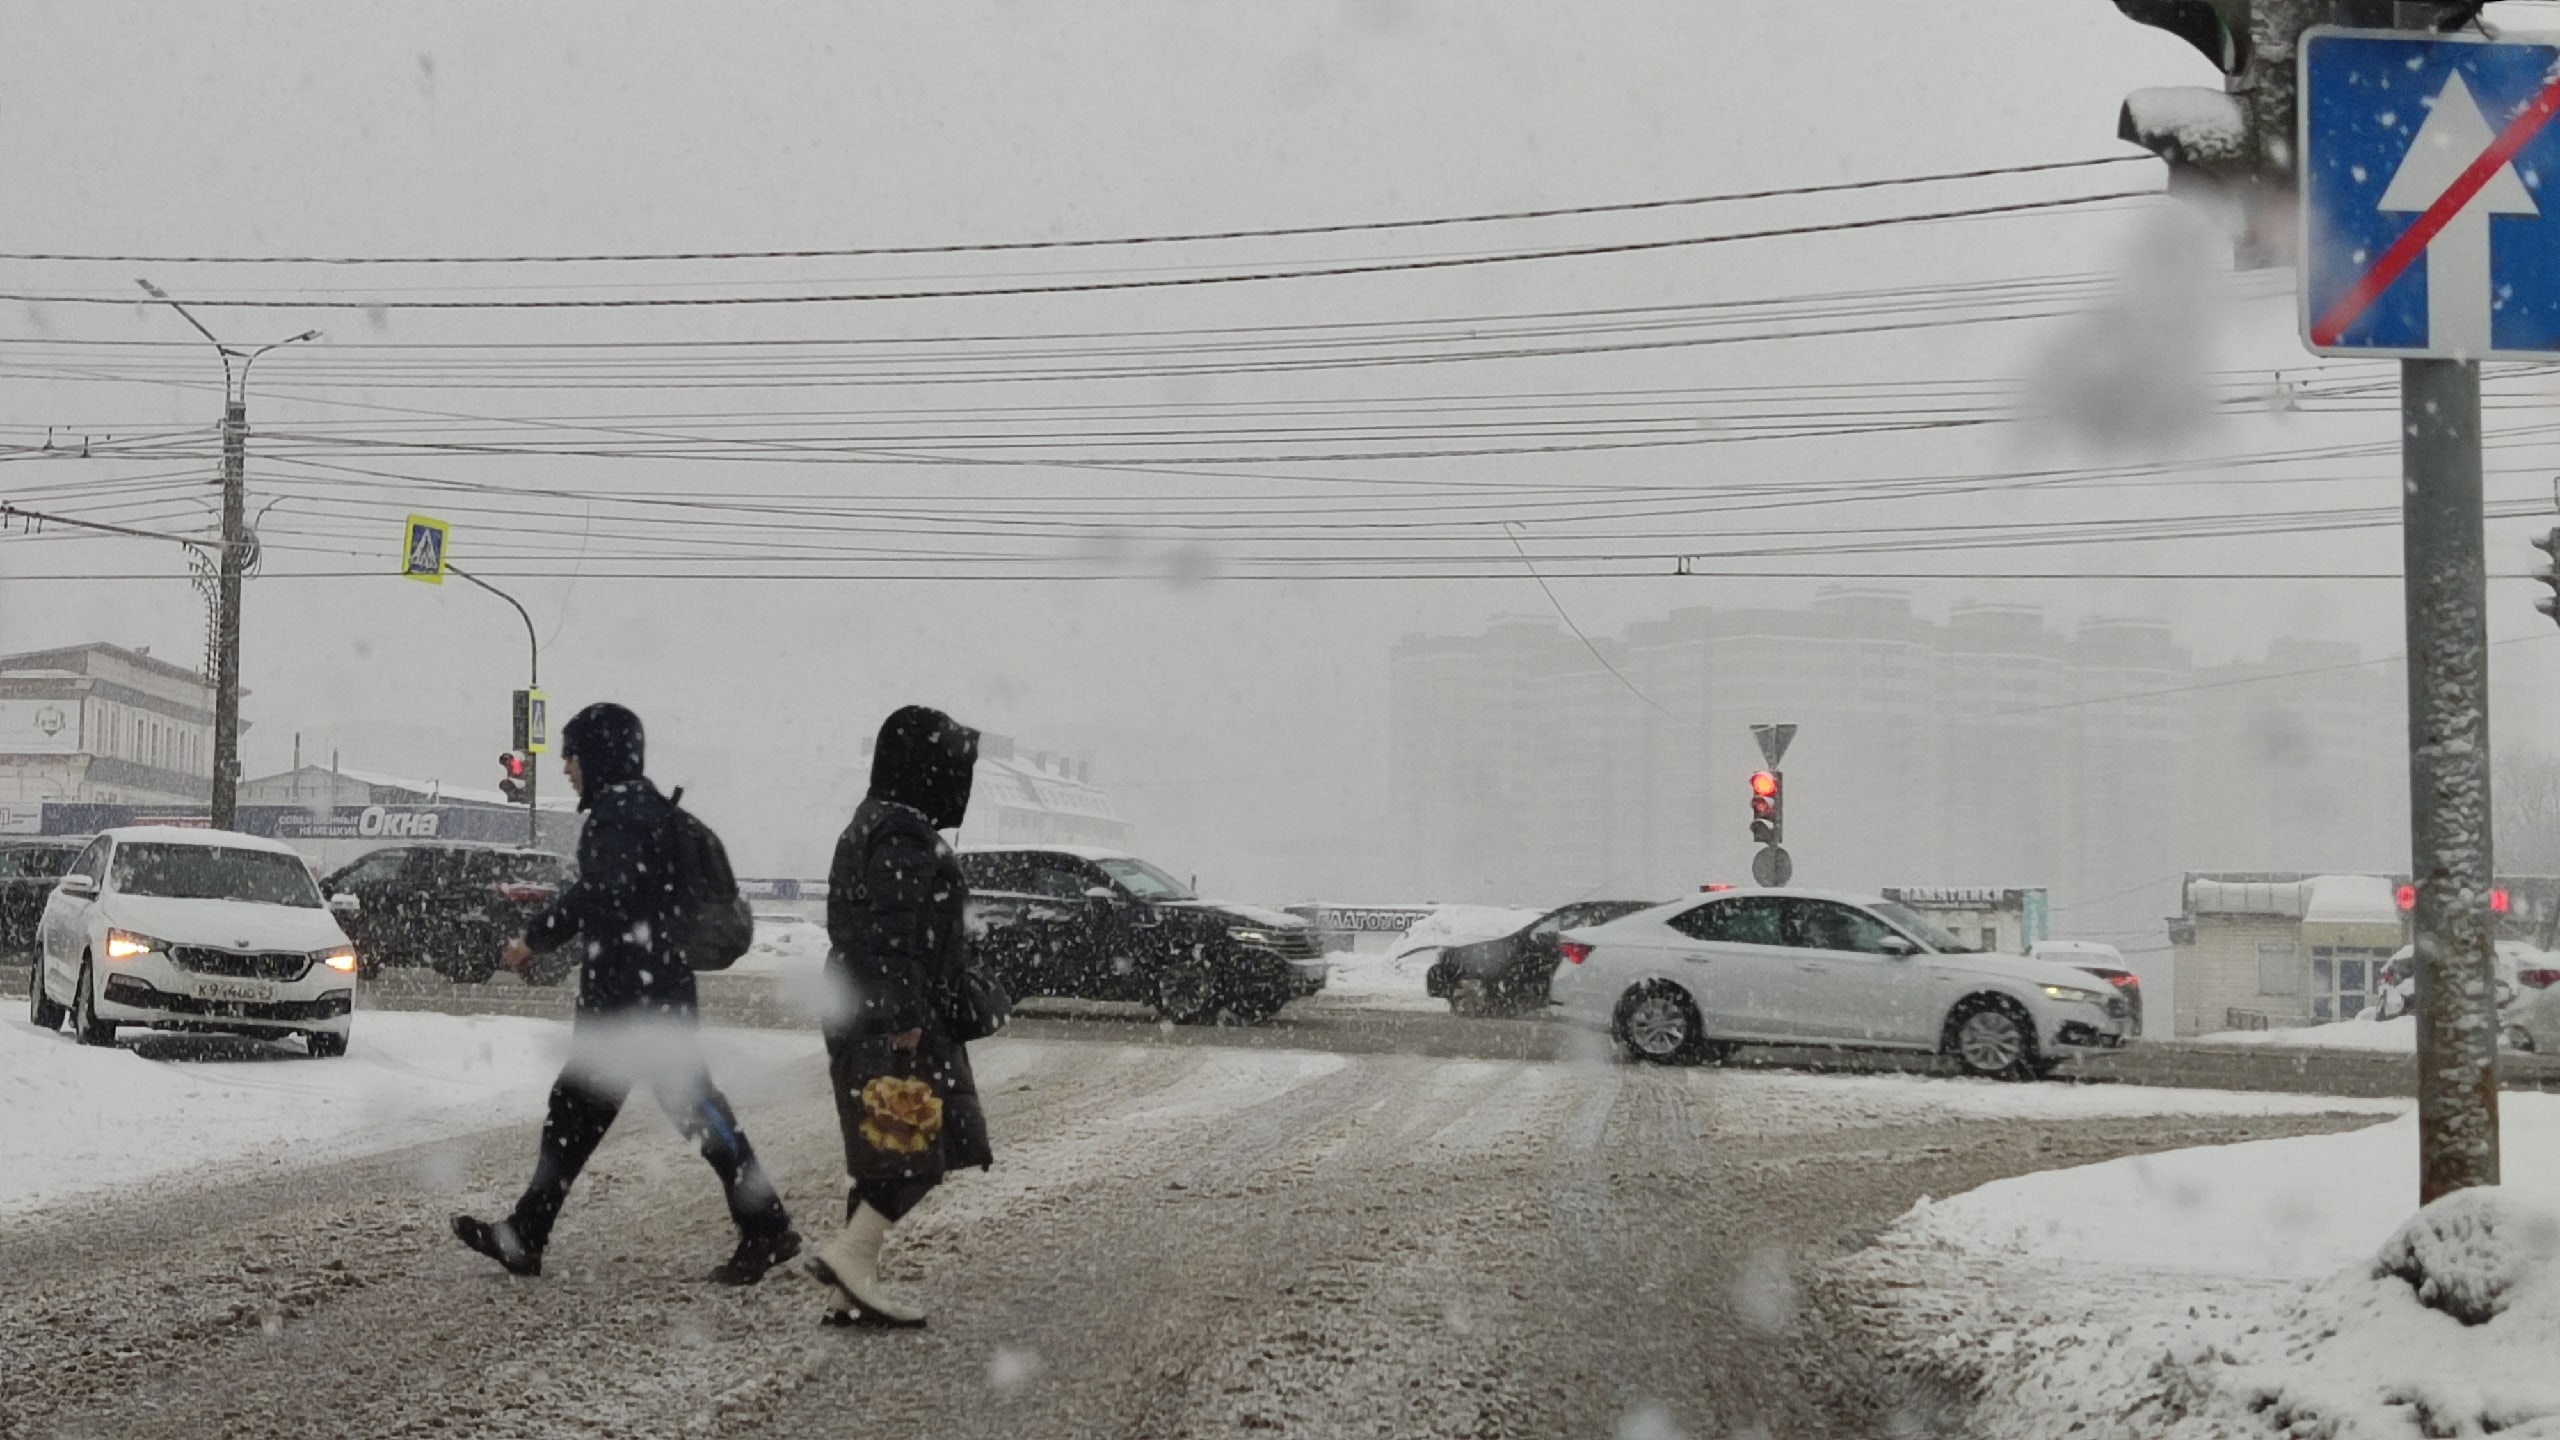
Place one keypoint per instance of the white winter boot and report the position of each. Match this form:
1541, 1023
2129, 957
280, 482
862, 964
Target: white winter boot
850, 1263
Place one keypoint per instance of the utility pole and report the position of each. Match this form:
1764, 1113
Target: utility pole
234, 561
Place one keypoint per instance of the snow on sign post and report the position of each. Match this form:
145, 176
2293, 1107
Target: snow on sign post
2425, 236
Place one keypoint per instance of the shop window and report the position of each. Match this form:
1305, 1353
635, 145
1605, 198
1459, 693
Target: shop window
2344, 980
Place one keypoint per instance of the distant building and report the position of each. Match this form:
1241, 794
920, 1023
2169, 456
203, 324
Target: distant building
1527, 767
99, 723
2261, 950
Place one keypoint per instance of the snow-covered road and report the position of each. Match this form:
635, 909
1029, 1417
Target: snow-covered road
1178, 1240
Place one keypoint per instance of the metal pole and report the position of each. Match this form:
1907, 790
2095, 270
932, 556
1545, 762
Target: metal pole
2451, 857
235, 551
533, 670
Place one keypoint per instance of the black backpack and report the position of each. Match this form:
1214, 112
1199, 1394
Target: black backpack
713, 925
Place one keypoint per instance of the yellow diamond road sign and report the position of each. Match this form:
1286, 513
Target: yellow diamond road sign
422, 549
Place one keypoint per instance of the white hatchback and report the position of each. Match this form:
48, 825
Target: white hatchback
1687, 981
177, 929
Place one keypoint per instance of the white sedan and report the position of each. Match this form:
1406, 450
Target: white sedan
178, 929
1687, 981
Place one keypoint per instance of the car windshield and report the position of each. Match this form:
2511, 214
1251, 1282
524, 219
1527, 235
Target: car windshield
1144, 880
213, 872
1919, 927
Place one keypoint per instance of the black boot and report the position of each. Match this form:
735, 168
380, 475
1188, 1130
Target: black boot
499, 1243
755, 1255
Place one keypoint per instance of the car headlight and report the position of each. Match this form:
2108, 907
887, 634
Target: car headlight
2072, 996
125, 945
341, 959
1243, 936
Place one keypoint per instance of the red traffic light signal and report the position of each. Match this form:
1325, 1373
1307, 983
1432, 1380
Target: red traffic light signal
516, 785
1768, 807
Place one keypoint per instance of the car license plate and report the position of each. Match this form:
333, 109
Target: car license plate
248, 990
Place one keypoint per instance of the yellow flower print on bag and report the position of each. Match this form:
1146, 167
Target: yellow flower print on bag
901, 1115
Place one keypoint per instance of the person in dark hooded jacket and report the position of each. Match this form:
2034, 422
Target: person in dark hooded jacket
635, 1015
895, 915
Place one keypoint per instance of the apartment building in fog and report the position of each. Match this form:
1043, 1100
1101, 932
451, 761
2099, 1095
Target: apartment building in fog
1984, 746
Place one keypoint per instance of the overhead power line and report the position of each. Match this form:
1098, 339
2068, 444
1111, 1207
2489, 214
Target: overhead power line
1276, 232
1161, 282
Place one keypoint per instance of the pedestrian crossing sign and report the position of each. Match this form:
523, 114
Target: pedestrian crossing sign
422, 549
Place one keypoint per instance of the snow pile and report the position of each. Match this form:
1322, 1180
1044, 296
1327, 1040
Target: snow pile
75, 1121
785, 944
2395, 1036
1394, 980
1461, 925
2280, 1288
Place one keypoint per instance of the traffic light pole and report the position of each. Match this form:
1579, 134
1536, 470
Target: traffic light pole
2445, 571
533, 675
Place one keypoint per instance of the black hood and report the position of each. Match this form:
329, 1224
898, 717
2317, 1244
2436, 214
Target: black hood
607, 742
926, 760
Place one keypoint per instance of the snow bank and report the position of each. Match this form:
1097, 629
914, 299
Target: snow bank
75, 1121
1393, 980
2281, 1288
2396, 1036
1462, 925
785, 945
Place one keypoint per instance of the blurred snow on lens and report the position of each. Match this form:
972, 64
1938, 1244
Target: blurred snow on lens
1648, 1421
2133, 374
1765, 1296
1010, 1369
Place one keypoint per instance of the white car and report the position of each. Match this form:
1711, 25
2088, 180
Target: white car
192, 930
1687, 981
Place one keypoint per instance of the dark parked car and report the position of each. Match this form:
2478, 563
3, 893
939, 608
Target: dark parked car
449, 907
28, 869
1098, 925
1509, 973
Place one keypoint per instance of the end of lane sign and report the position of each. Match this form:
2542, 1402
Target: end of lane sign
2425, 232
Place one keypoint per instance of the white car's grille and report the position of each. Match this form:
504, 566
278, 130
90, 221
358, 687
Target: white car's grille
241, 965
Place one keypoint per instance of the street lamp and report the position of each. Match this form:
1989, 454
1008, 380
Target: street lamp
235, 546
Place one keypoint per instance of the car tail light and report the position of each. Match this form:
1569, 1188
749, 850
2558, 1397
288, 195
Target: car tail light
2124, 982
2538, 979
519, 892
1575, 952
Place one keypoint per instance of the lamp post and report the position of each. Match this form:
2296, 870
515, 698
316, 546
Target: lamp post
235, 555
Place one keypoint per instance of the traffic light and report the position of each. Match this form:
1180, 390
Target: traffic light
1768, 807
516, 785
2549, 573
2233, 146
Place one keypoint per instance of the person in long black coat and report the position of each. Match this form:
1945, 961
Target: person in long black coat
896, 914
635, 1014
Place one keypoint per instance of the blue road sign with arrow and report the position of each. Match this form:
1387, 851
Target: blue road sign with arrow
2426, 226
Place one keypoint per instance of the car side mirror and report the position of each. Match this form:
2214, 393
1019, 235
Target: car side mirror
78, 886
1899, 947
345, 904
1102, 895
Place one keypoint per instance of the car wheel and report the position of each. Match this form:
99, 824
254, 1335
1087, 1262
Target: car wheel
86, 1027
1187, 992
42, 1013
326, 1044
1658, 1024
1471, 998
1991, 1037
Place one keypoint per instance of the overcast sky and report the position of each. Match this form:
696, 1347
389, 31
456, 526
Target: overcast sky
1240, 720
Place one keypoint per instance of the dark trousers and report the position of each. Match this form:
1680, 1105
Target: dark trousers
583, 1105
892, 1198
